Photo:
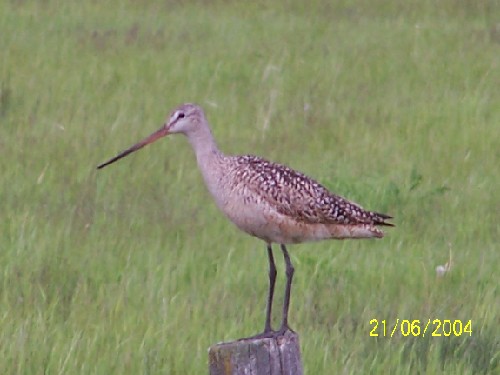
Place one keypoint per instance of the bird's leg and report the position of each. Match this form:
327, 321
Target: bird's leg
286, 303
268, 331
272, 281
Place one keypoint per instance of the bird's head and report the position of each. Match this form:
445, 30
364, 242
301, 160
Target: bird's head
185, 119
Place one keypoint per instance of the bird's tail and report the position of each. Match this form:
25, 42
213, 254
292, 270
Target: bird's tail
380, 219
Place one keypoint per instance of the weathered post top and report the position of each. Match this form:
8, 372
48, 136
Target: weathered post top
263, 356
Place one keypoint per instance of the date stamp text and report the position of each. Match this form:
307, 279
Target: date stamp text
420, 328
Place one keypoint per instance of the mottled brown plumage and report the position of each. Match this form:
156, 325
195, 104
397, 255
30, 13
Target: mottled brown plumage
295, 195
267, 200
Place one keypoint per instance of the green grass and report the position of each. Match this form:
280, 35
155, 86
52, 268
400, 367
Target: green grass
132, 269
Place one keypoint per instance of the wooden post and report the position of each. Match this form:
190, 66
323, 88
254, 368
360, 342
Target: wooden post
267, 356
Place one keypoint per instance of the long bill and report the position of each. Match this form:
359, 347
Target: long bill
163, 131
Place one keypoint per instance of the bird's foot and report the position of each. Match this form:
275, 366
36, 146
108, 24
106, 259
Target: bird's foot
270, 334
284, 329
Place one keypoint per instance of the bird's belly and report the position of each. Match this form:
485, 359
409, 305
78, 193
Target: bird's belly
269, 225
251, 219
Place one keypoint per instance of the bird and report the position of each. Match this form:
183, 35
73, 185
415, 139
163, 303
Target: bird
267, 200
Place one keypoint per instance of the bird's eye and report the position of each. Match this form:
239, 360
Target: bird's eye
181, 115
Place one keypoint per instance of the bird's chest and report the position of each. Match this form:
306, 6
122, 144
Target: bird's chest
237, 202
252, 214
242, 207
245, 208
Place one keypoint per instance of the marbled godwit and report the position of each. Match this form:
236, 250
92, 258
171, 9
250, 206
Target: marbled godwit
267, 200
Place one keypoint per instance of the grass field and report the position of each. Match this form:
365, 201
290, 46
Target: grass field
132, 270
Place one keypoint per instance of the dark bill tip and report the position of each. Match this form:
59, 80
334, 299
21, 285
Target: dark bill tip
153, 137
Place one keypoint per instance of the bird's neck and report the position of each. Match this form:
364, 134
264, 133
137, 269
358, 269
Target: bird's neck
205, 148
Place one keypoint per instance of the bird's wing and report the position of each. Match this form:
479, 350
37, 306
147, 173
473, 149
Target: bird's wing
295, 195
